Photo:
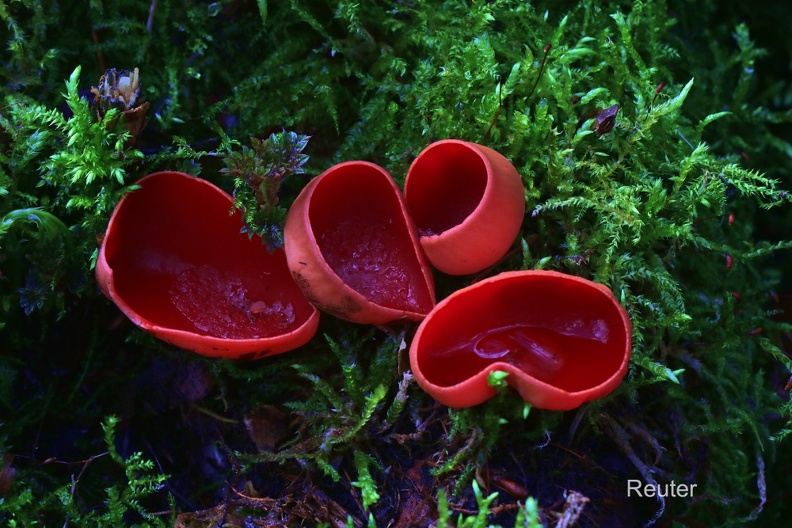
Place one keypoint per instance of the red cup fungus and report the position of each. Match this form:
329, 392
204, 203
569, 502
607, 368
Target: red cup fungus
467, 202
562, 340
353, 249
177, 264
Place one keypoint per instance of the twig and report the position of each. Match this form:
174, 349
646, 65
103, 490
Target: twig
150, 21
620, 436
212, 414
497, 114
546, 442
651, 440
53, 460
651, 104
500, 98
99, 54
574, 506
576, 423
761, 483
541, 69
85, 464
265, 503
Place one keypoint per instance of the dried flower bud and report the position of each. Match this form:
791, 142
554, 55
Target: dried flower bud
120, 89
117, 89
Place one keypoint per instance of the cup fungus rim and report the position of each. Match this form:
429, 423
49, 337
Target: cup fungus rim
377, 313
459, 191
204, 344
475, 389
486, 192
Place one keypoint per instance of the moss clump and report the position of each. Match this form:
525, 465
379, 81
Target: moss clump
648, 135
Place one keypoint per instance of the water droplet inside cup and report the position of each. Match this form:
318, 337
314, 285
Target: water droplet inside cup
490, 347
551, 354
370, 260
222, 306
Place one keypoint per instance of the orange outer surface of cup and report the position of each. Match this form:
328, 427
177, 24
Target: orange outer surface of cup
175, 221
467, 202
353, 190
535, 297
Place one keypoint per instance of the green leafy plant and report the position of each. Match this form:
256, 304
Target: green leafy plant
123, 497
65, 175
479, 520
258, 172
365, 482
337, 417
527, 514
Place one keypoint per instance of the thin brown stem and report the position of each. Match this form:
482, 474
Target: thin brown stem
533, 88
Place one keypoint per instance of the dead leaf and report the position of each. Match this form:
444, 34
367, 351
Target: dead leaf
267, 426
7, 476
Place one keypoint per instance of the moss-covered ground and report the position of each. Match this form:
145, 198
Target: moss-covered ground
682, 208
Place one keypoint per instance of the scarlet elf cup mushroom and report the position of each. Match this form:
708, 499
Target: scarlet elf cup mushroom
177, 264
353, 249
562, 340
467, 202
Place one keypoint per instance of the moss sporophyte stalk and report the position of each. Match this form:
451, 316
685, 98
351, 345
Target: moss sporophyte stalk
652, 156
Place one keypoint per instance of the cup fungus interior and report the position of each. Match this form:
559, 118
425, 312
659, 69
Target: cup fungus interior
357, 219
445, 185
180, 261
549, 327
